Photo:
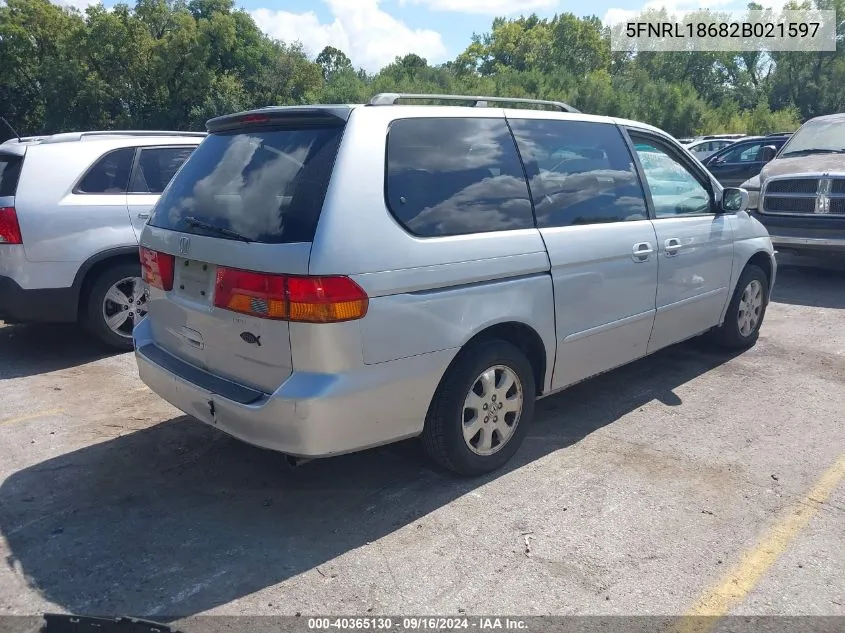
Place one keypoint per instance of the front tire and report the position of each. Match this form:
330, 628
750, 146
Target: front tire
482, 409
746, 311
117, 301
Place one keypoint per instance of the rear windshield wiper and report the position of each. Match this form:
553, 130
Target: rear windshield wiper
192, 221
814, 150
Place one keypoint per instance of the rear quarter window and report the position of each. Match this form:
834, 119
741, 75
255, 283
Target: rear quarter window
454, 176
10, 171
155, 168
266, 185
110, 174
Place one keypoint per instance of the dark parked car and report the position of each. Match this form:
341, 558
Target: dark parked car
800, 195
736, 163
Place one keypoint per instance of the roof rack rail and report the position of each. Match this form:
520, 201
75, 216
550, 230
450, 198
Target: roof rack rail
390, 98
24, 139
64, 137
141, 133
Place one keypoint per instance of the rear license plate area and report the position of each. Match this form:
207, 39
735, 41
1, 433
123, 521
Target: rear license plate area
194, 280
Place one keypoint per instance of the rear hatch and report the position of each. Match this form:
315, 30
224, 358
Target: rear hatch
231, 236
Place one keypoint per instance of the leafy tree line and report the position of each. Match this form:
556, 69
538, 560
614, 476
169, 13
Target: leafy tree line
173, 64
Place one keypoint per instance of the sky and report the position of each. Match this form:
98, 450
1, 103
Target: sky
374, 32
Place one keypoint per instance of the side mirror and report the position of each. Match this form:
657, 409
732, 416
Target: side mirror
734, 200
767, 153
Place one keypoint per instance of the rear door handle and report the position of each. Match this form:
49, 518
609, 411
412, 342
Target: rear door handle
143, 215
642, 251
672, 246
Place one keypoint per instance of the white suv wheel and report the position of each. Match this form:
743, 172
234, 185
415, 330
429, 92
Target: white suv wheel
124, 305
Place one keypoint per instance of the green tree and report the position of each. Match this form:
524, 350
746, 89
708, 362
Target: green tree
176, 63
333, 60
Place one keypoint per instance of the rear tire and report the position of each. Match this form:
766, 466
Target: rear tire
117, 301
482, 409
746, 311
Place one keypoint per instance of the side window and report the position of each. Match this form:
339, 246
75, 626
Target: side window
110, 174
674, 189
579, 172
749, 154
10, 171
156, 167
456, 176
745, 153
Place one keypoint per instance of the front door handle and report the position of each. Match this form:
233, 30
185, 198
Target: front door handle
672, 246
642, 251
143, 215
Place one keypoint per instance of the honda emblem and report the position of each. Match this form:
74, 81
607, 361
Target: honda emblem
184, 245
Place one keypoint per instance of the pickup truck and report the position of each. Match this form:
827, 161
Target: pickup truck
800, 193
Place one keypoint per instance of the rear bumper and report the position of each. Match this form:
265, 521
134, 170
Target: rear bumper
49, 305
310, 414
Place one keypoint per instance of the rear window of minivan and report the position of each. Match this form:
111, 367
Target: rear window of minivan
10, 171
264, 185
455, 176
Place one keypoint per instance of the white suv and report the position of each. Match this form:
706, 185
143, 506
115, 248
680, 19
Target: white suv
71, 209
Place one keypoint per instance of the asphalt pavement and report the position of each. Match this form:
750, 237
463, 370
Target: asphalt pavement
689, 482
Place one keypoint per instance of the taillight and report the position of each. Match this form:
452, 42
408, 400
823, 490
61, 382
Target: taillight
254, 118
10, 230
251, 293
157, 268
290, 298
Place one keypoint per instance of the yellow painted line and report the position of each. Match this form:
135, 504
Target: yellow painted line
741, 580
31, 416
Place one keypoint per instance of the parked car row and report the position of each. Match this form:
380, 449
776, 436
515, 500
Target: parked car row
321, 279
704, 146
707, 137
743, 159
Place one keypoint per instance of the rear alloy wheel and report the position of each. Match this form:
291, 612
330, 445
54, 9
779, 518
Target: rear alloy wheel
746, 311
481, 411
492, 410
117, 302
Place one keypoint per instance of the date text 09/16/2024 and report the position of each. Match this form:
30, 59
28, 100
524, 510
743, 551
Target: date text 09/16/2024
418, 624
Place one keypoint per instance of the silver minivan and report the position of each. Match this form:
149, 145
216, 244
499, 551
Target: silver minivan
324, 279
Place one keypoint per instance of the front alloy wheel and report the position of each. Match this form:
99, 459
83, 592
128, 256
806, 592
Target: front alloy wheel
750, 307
746, 311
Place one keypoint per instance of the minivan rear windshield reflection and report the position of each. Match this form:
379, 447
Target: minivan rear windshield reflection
263, 186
